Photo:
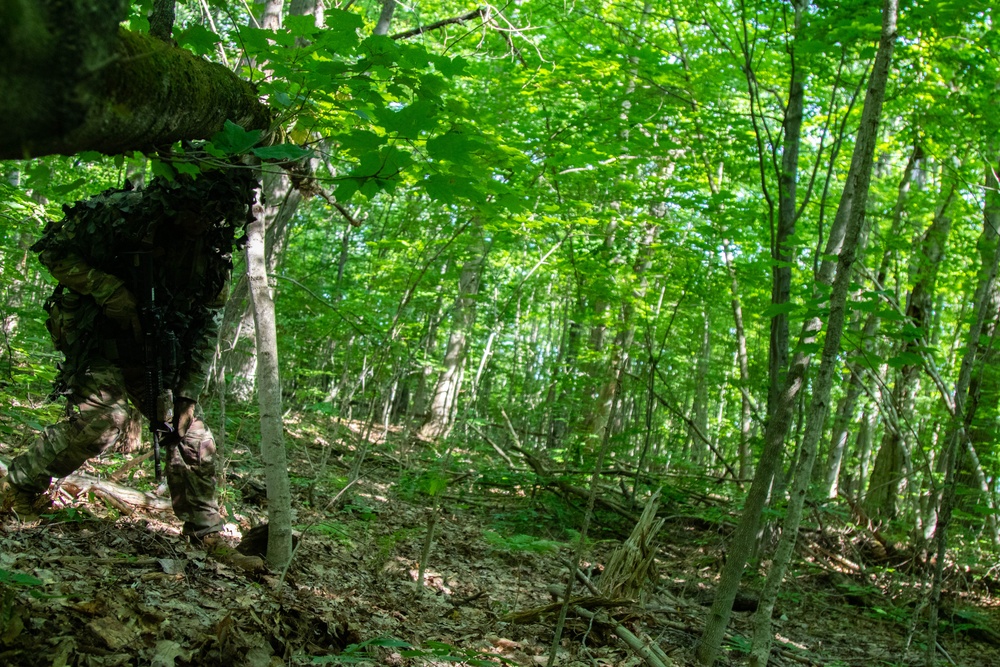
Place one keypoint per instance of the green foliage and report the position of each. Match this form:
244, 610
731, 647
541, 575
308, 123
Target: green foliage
428, 483
740, 644
19, 579
520, 543
334, 530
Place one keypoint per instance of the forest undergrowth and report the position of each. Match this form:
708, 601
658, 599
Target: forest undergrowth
106, 580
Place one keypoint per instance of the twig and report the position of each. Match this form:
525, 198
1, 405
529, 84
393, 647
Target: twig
128, 467
495, 446
697, 431
425, 552
419, 30
466, 600
649, 652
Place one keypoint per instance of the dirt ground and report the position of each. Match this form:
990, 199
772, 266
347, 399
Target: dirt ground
98, 583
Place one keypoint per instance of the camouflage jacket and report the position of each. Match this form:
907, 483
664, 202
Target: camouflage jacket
178, 235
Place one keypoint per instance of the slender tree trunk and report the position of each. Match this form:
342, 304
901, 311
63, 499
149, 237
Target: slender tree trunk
894, 454
385, 18
850, 214
781, 286
425, 379
988, 249
279, 499
984, 399
861, 172
444, 400
565, 401
743, 361
863, 450
280, 202
271, 17
699, 406
601, 410
845, 411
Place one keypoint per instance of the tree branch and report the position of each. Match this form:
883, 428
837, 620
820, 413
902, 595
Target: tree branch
161, 21
406, 34
73, 81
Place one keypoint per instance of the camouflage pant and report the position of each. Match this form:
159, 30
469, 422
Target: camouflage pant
97, 414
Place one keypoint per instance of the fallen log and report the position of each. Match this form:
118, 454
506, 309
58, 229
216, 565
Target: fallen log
122, 498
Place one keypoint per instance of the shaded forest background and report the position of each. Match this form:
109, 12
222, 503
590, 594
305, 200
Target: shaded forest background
587, 235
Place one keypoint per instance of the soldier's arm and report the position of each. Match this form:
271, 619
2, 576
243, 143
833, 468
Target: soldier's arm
73, 271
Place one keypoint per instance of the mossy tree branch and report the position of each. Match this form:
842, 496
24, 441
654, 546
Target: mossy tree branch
74, 81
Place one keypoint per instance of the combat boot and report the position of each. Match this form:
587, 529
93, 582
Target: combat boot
216, 546
24, 505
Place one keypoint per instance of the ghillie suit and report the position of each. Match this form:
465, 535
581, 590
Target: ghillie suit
174, 239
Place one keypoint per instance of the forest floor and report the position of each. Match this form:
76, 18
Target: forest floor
100, 583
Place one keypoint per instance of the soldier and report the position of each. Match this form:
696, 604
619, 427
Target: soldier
179, 235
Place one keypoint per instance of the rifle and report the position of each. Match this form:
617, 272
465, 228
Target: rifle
159, 400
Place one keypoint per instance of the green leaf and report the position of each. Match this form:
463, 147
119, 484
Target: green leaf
198, 39
347, 188
450, 66
188, 168
380, 50
361, 142
453, 146
162, 169
905, 359
410, 121
780, 308
62, 190
19, 579
38, 176
234, 140
301, 26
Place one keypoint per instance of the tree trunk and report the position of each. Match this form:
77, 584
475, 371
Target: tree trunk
74, 81
845, 411
600, 411
850, 214
742, 360
444, 400
781, 285
272, 444
860, 173
957, 434
699, 407
280, 202
385, 18
894, 454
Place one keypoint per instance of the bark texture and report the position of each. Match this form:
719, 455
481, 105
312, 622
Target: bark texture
74, 81
272, 442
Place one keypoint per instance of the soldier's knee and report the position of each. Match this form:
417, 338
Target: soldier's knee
99, 429
197, 448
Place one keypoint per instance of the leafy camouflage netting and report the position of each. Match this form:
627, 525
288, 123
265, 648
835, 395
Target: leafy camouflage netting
178, 234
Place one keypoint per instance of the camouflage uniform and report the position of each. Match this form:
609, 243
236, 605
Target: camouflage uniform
98, 252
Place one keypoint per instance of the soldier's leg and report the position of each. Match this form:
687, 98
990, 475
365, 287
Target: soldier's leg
96, 417
191, 474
